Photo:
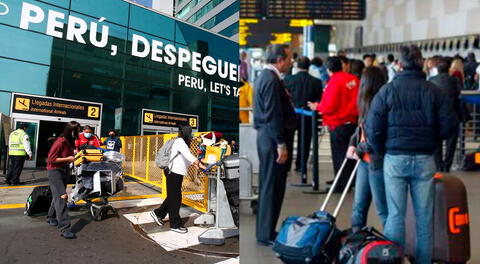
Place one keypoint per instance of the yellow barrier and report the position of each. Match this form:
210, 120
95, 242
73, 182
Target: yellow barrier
139, 164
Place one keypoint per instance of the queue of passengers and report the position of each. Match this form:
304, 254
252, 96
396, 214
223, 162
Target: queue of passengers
388, 112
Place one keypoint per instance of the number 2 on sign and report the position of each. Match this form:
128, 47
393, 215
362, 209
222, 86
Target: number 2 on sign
93, 112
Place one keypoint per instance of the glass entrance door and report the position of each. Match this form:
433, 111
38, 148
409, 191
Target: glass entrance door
32, 132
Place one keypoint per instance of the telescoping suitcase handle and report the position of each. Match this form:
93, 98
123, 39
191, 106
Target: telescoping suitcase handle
345, 191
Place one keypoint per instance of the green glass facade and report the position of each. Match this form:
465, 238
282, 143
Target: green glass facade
35, 63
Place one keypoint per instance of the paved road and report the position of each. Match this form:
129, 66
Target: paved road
25, 239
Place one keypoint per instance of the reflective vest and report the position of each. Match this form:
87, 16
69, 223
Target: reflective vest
15, 143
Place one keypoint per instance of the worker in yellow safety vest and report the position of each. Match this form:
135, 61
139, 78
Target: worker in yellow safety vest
19, 149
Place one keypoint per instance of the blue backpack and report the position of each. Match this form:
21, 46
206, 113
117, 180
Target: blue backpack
313, 239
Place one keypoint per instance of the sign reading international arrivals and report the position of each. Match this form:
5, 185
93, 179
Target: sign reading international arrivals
50, 106
168, 119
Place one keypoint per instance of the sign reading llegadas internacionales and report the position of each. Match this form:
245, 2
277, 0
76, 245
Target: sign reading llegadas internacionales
50, 106
168, 119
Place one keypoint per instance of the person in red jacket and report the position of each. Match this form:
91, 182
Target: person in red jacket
87, 139
339, 112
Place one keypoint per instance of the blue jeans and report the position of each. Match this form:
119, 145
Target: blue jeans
416, 172
369, 183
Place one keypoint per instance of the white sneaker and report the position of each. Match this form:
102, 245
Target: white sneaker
181, 230
156, 219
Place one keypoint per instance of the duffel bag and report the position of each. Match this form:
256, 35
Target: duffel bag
369, 246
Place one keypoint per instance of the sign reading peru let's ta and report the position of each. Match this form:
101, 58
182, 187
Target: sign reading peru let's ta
49, 106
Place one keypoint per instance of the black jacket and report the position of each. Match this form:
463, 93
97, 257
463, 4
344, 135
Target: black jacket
409, 116
304, 88
272, 107
451, 87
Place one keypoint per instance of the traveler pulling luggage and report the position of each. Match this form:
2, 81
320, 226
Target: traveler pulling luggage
313, 239
451, 229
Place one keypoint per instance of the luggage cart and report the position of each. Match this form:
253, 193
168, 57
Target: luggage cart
224, 223
98, 180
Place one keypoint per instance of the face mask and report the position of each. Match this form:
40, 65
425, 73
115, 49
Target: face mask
112, 135
87, 135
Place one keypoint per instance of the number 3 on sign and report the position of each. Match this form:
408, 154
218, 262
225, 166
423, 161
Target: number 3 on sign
193, 122
93, 111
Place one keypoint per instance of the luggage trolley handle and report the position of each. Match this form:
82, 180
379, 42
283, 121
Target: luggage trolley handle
345, 191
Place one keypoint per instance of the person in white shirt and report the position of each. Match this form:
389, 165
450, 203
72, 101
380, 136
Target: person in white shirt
180, 159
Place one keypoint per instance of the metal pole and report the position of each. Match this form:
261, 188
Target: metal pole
301, 151
315, 152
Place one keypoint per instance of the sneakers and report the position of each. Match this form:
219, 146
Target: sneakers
156, 218
52, 222
68, 235
181, 230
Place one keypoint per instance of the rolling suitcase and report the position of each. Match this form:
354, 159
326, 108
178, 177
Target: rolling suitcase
88, 155
315, 238
451, 230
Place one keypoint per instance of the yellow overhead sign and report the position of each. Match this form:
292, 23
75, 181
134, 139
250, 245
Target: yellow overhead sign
301, 22
281, 38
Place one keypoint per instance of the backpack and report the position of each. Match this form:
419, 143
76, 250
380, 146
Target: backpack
369, 246
38, 202
162, 159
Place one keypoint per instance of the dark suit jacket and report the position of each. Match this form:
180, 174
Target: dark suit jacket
272, 108
304, 88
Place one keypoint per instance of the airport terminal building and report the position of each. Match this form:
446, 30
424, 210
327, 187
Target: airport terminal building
112, 64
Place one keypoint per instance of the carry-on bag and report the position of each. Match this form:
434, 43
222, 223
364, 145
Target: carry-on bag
368, 245
39, 200
88, 155
315, 238
451, 229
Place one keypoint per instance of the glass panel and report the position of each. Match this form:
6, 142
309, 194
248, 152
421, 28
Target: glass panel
151, 22
145, 69
190, 103
30, 46
13, 17
207, 44
89, 59
32, 134
230, 31
113, 10
12, 77
5, 98
116, 34
224, 14
61, 3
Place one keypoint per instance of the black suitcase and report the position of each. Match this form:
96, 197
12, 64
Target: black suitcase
451, 230
38, 202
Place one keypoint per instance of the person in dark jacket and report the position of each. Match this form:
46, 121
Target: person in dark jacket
303, 88
369, 180
471, 65
275, 122
451, 88
406, 119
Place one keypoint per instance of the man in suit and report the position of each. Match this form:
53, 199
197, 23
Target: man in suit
303, 88
274, 120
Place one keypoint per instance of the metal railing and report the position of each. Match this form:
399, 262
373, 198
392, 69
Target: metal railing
469, 136
140, 152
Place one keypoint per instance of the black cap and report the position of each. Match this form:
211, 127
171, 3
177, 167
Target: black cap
23, 125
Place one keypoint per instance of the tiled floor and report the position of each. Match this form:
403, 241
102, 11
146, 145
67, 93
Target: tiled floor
298, 203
